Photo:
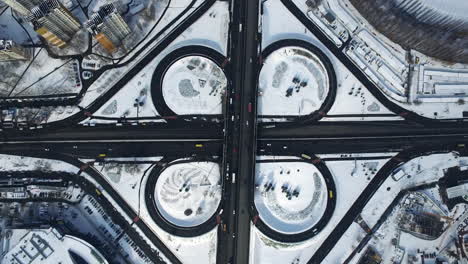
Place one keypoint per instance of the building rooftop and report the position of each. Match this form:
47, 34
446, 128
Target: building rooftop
50, 246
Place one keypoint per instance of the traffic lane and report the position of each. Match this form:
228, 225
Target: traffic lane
324, 219
241, 88
373, 186
359, 74
126, 208
151, 205
95, 150
349, 129
354, 145
93, 190
247, 140
163, 44
210, 131
353, 212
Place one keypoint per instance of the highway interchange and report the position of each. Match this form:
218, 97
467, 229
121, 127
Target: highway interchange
239, 138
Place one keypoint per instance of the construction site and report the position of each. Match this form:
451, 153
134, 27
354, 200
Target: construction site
418, 229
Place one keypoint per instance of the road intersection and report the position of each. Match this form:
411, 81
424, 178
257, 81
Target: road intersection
238, 139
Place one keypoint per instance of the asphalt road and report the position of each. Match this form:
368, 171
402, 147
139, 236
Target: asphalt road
359, 204
114, 149
247, 135
117, 217
239, 142
242, 139
151, 205
212, 131
357, 72
335, 145
165, 41
324, 219
122, 133
265, 146
356, 129
127, 209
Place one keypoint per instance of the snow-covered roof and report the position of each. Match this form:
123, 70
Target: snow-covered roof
42, 246
457, 191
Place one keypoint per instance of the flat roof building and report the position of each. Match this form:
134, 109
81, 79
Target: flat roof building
39, 246
457, 191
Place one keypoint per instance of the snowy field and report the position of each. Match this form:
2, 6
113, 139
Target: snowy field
129, 179
444, 99
394, 242
352, 97
42, 74
290, 197
194, 85
39, 76
293, 82
421, 170
96, 220
211, 30
355, 170
133, 103
188, 194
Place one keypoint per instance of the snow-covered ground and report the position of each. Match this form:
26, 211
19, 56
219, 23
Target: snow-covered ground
354, 170
129, 179
132, 101
125, 178
194, 85
424, 85
290, 197
23, 163
39, 76
42, 74
188, 194
395, 243
211, 30
351, 97
293, 81
201, 249
421, 170
351, 175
